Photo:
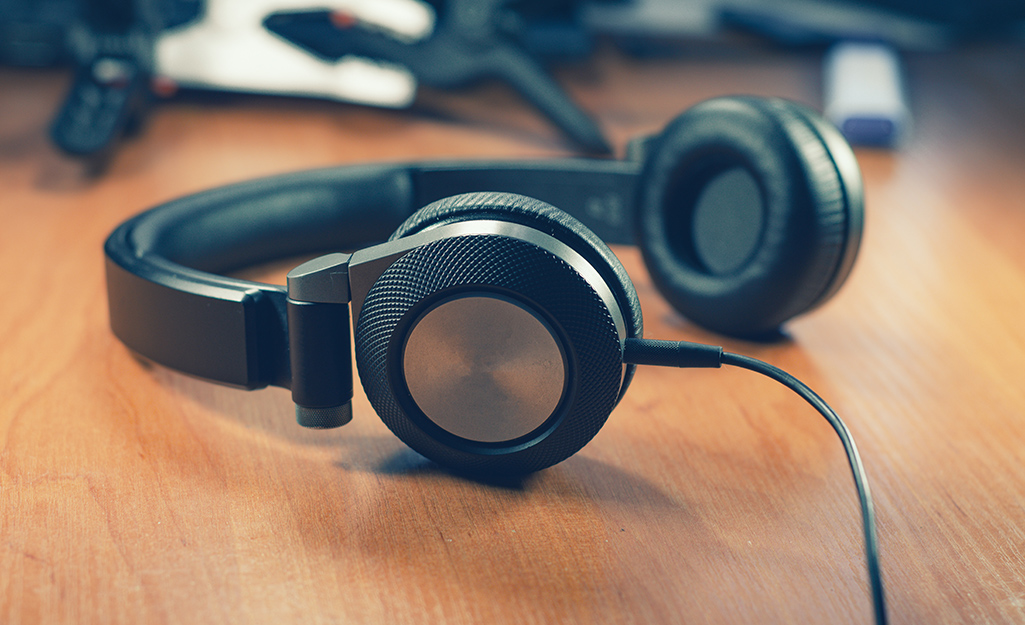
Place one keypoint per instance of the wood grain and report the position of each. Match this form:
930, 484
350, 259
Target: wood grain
132, 494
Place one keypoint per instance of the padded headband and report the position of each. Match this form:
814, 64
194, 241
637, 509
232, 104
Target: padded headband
169, 304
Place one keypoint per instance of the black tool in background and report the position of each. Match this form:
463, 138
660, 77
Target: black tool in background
112, 48
468, 44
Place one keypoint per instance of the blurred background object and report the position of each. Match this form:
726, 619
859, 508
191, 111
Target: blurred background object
111, 48
908, 24
231, 47
469, 43
378, 52
864, 93
361, 51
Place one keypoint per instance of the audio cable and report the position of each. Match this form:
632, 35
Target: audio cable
695, 355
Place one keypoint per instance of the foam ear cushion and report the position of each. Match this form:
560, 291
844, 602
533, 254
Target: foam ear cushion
550, 220
749, 212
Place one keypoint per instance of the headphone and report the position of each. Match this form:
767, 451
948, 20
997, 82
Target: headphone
494, 333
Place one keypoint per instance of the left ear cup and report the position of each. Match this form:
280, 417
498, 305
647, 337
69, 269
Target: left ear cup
493, 353
749, 212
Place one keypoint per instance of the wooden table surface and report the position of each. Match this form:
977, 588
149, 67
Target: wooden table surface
133, 494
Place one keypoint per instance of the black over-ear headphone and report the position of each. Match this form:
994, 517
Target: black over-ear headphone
492, 329
495, 333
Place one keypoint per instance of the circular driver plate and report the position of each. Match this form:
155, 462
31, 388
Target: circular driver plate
484, 368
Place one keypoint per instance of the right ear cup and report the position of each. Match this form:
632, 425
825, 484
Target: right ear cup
749, 212
494, 345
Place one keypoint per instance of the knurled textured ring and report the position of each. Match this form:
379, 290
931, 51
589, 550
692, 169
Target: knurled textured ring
514, 268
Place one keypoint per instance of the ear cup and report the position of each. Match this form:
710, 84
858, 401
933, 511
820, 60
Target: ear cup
749, 212
550, 220
490, 353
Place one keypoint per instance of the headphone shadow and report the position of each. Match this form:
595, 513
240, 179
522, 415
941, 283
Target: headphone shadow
498, 540
580, 478
406, 462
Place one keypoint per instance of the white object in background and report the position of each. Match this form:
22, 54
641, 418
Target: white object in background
229, 49
864, 93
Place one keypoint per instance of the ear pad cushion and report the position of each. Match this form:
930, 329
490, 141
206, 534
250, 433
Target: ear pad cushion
550, 220
749, 212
